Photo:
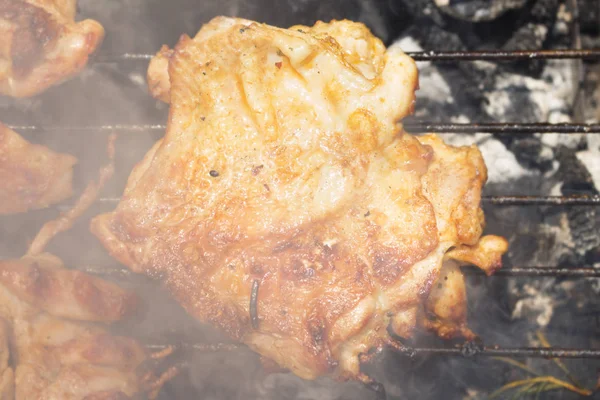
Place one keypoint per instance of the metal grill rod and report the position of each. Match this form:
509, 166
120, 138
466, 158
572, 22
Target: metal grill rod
530, 352
556, 272
94, 128
467, 350
576, 200
491, 55
500, 128
412, 127
501, 55
536, 272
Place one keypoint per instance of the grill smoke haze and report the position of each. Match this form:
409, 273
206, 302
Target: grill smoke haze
503, 311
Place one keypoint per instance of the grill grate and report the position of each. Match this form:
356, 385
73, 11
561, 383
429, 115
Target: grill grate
411, 127
539, 271
487, 55
468, 349
574, 200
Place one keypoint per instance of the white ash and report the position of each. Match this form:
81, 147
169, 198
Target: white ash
512, 97
562, 245
502, 164
551, 95
478, 10
535, 304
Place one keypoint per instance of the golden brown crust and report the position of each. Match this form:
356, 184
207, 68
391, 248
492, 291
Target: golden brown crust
42, 45
453, 184
486, 254
283, 175
64, 293
58, 350
159, 83
31, 176
445, 311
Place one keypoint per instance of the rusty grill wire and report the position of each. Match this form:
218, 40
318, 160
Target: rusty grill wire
468, 349
488, 55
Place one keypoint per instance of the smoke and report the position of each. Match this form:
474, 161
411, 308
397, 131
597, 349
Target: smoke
108, 94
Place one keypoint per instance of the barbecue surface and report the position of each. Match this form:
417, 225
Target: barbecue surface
115, 93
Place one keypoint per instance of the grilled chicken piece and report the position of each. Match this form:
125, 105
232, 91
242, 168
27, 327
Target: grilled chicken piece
54, 325
445, 311
60, 345
31, 176
284, 205
42, 45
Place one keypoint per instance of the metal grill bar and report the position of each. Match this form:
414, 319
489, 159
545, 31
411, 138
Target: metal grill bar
412, 127
500, 128
201, 347
500, 55
467, 350
538, 272
93, 128
530, 352
579, 200
491, 55
556, 272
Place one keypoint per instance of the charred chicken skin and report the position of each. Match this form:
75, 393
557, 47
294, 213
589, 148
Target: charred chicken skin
31, 176
41, 44
285, 205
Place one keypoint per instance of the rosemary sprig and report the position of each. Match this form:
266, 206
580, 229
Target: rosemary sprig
550, 383
539, 384
542, 338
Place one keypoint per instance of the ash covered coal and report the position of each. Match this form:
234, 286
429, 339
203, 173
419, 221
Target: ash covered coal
479, 10
510, 311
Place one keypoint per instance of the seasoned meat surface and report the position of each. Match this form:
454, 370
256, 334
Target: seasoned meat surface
53, 327
55, 342
41, 44
285, 205
31, 176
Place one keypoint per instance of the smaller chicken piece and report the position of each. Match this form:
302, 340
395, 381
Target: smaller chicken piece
42, 45
31, 176
61, 347
55, 342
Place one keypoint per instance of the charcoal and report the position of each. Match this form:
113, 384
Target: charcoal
568, 309
589, 16
583, 221
528, 37
419, 10
479, 10
544, 11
